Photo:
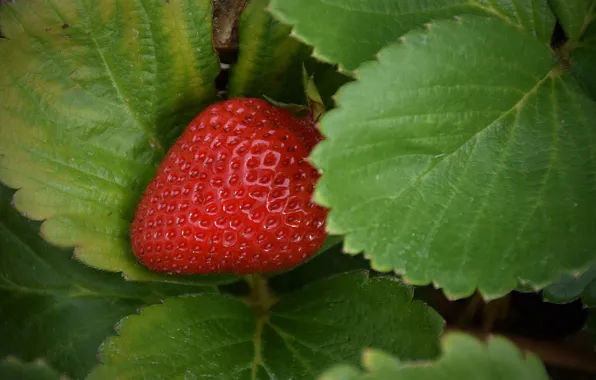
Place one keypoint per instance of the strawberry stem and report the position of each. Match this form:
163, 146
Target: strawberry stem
261, 298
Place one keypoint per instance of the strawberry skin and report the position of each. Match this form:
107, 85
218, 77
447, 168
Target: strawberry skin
233, 194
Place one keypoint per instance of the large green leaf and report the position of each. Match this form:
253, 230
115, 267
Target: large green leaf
212, 336
463, 357
14, 369
574, 16
93, 94
55, 308
349, 32
475, 168
570, 288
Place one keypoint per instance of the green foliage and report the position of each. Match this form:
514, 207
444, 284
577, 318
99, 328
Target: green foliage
583, 60
217, 336
94, 93
574, 16
270, 62
570, 288
459, 151
54, 307
13, 369
330, 262
579, 23
463, 357
350, 32
458, 177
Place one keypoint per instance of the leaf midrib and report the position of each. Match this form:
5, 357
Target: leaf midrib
449, 155
420, 178
490, 125
151, 137
258, 346
553, 73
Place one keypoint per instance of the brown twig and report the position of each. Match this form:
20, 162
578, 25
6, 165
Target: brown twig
226, 16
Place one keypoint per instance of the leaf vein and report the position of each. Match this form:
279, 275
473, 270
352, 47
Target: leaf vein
150, 136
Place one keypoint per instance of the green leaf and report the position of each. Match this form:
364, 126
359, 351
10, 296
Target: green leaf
93, 94
53, 307
220, 337
350, 32
583, 56
578, 19
463, 357
270, 61
574, 16
570, 288
14, 369
327, 79
265, 55
330, 262
475, 169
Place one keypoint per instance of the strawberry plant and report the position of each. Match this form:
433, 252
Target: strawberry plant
282, 189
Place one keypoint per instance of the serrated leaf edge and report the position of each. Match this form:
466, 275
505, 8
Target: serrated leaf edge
320, 199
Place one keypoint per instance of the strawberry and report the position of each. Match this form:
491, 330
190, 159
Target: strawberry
233, 194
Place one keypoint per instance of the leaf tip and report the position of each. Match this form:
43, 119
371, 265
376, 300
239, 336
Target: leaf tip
407, 280
348, 249
118, 324
456, 296
352, 251
368, 357
43, 233
11, 358
16, 202
489, 297
381, 268
41, 361
309, 161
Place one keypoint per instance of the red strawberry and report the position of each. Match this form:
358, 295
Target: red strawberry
233, 195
